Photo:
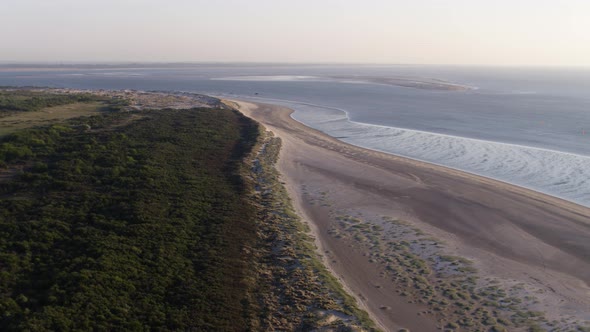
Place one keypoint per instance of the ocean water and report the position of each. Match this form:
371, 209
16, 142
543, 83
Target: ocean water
529, 127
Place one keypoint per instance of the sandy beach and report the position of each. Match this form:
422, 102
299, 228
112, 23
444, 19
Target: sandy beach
530, 248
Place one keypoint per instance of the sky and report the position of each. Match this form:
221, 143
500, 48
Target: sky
457, 32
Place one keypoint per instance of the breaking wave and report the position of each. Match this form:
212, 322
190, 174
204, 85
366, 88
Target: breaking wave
561, 174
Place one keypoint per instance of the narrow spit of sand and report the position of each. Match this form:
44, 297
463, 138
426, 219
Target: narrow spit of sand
512, 235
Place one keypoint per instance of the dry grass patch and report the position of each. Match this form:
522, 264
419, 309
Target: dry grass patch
22, 120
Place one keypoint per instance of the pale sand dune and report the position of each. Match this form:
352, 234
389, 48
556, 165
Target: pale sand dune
512, 234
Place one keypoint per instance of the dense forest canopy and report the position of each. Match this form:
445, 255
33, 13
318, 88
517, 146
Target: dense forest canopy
126, 227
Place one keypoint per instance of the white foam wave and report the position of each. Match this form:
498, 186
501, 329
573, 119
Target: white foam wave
561, 174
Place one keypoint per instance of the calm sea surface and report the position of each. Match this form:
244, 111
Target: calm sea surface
530, 127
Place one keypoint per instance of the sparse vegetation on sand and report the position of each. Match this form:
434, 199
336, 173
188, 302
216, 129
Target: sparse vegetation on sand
306, 296
419, 270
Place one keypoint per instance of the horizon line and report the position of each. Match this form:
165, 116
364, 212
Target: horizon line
57, 63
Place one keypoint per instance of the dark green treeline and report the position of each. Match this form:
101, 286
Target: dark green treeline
113, 224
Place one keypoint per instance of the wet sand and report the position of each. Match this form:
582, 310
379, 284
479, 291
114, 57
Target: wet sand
512, 234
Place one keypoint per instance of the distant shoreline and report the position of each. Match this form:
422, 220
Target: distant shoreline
399, 81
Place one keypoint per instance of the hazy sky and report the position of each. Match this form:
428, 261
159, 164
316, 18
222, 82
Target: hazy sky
488, 32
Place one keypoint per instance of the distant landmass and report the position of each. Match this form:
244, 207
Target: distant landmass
407, 82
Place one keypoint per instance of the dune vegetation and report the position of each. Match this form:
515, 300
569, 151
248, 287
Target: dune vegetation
156, 220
